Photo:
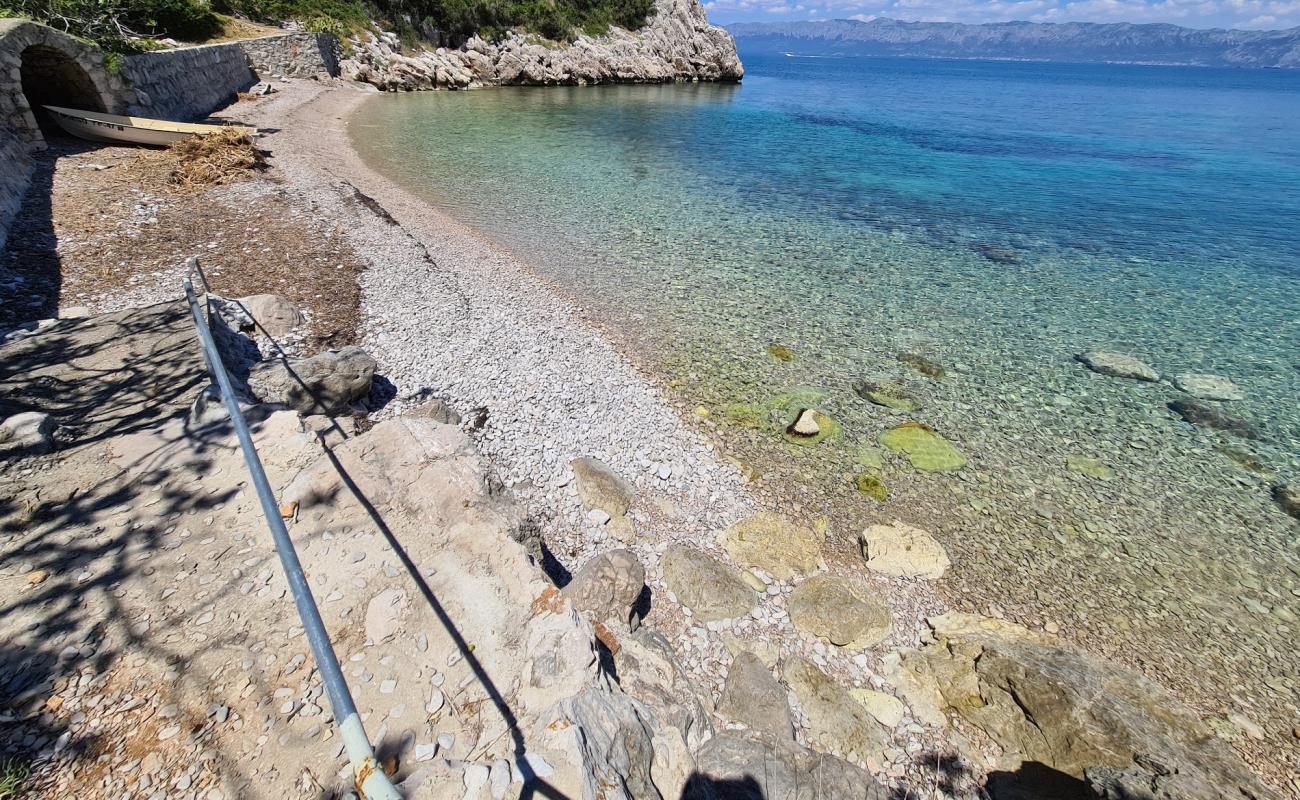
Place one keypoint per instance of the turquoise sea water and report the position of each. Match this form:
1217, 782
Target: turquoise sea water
994, 219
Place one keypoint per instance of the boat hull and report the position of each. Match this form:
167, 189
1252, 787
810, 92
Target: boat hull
117, 129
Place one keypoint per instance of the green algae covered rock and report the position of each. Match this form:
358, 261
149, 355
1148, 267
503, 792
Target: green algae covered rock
745, 415
927, 450
889, 394
1089, 467
780, 352
871, 485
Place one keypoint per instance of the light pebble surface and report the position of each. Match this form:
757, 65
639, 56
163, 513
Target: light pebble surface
448, 314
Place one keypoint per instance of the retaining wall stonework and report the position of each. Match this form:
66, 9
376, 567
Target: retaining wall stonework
191, 82
15, 173
296, 55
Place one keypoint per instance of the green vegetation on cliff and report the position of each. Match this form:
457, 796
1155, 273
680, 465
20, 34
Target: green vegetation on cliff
129, 25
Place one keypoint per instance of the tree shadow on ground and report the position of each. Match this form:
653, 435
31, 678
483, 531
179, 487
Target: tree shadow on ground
105, 376
533, 783
31, 252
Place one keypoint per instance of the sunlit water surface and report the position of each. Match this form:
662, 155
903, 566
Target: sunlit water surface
995, 219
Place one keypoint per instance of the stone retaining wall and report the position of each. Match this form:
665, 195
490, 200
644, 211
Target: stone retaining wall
191, 82
296, 55
15, 172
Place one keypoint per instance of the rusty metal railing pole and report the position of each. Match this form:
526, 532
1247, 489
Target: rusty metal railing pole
371, 781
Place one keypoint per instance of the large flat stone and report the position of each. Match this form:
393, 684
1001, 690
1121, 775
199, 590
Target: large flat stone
710, 589
774, 544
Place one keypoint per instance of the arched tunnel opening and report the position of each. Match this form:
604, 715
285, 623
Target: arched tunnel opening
51, 77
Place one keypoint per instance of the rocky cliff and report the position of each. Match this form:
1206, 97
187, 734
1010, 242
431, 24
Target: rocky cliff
678, 44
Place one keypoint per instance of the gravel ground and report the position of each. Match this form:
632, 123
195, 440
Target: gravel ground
449, 315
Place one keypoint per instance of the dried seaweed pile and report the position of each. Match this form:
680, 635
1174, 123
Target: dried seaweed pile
215, 159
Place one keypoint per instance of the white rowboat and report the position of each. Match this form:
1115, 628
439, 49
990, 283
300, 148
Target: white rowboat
99, 127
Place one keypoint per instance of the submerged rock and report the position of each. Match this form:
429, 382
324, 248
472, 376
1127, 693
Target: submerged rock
889, 394
780, 352
903, 551
1117, 365
1209, 387
1204, 416
774, 544
923, 365
709, 588
872, 486
1090, 467
1288, 498
927, 450
840, 611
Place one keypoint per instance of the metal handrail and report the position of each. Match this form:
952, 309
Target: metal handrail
371, 781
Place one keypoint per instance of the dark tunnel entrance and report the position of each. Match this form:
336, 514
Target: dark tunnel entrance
51, 77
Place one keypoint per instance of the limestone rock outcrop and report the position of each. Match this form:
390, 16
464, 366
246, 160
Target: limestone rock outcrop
1046, 703
677, 44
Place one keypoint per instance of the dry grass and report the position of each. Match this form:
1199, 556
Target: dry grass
215, 159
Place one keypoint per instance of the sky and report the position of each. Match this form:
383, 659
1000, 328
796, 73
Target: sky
1254, 14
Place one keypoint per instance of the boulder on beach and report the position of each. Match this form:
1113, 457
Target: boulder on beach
600, 487
1046, 703
836, 721
608, 587
275, 314
1209, 387
754, 698
902, 551
710, 589
840, 611
774, 544
30, 432
1117, 365
925, 449
749, 765
326, 383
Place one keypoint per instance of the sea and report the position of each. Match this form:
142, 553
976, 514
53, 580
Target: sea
951, 235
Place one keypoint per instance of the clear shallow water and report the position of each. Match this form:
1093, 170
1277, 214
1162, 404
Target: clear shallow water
995, 218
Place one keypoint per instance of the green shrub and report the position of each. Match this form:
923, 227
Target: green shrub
120, 25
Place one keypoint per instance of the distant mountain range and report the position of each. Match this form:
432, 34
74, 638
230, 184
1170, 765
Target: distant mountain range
1029, 41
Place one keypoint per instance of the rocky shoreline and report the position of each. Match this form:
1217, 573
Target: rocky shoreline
678, 44
544, 488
